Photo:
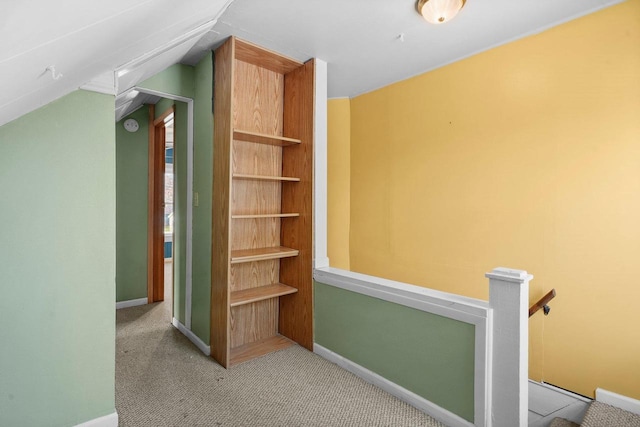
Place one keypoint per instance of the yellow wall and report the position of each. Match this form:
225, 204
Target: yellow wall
524, 156
338, 185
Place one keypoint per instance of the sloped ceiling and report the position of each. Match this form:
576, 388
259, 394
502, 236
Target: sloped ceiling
366, 43
86, 39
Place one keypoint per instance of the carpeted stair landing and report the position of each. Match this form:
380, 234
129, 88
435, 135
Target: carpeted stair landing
602, 415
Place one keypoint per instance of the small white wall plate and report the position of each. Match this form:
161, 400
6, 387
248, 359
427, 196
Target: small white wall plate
131, 125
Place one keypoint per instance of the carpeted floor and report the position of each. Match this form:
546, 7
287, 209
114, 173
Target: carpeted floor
602, 415
162, 379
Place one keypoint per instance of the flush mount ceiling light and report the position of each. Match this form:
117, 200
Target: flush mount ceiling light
439, 11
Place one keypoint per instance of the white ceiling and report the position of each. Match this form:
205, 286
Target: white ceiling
360, 39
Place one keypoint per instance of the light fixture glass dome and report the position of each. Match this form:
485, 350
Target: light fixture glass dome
439, 11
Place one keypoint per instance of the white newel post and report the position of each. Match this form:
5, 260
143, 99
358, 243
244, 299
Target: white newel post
509, 299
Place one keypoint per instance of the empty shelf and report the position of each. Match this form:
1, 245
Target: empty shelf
261, 138
259, 348
261, 254
277, 215
265, 178
247, 296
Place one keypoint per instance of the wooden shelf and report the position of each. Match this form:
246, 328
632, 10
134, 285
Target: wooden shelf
265, 178
277, 215
260, 138
247, 296
259, 348
261, 254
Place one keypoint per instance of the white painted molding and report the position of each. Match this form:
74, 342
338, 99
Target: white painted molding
189, 248
321, 262
320, 166
426, 406
192, 337
509, 298
131, 303
110, 420
104, 83
469, 310
619, 401
463, 309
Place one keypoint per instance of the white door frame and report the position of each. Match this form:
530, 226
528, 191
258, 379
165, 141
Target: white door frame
189, 249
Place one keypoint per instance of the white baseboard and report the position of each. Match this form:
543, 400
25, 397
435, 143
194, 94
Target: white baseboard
430, 408
618, 400
131, 303
110, 420
192, 337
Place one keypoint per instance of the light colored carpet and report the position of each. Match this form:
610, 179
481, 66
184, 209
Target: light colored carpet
561, 422
162, 379
602, 415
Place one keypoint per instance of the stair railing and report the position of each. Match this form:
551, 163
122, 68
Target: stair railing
542, 303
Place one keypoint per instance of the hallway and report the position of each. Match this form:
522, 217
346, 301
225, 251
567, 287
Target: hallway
162, 379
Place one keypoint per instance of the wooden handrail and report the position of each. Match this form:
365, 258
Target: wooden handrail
542, 303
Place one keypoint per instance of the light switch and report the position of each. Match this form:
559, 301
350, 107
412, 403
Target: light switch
196, 202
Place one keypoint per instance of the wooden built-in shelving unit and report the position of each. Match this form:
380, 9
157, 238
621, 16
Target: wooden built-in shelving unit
261, 288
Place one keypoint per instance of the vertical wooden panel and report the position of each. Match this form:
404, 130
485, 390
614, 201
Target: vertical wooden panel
257, 107
253, 322
220, 262
253, 274
255, 233
296, 310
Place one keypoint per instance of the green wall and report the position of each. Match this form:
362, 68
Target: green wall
202, 184
176, 80
132, 164
57, 258
427, 354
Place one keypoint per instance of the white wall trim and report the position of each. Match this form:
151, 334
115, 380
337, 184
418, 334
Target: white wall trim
430, 408
464, 309
456, 307
619, 401
320, 258
131, 303
192, 337
104, 83
110, 420
189, 248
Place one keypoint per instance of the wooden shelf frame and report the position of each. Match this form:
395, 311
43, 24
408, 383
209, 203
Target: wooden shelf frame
261, 294
251, 295
261, 138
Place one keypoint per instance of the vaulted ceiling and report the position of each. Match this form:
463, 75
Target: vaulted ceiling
48, 49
